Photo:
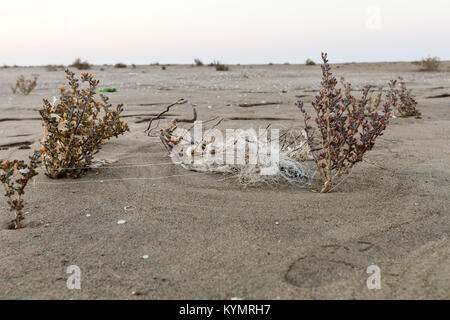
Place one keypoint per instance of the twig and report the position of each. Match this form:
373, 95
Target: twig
179, 101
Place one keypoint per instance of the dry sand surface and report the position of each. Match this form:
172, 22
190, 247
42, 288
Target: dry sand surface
209, 238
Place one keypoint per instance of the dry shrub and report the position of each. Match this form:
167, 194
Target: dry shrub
407, 106
373, 99
120, 65
15, 175
24, 86
198, 62
77, 126
52, 67
81, 65
345, 131
220, 66
429, 64
309, 62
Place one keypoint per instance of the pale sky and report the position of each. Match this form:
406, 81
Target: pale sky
39, 32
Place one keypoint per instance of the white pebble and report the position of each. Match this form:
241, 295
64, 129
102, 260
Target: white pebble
121, 222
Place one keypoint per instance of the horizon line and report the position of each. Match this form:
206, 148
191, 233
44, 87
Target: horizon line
5, 66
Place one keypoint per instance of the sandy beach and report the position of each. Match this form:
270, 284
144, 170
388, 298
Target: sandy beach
207, 237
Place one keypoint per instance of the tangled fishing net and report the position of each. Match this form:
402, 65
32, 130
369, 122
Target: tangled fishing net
253, 158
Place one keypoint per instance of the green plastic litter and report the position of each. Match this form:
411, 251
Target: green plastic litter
108, 90
144, 71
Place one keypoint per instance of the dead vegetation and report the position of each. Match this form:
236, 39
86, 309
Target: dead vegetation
25, 86
407, 105
220, 66
198, 63
76, 126
80, 65
280, 157
53, 67
429, 64
14, 176
345, 127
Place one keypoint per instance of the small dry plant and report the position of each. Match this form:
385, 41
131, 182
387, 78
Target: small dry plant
23, 85
198, 62
374, 98
429, 64
220, 66
77, 126
120, 65
309, 62
15, 175
344, 130
407, 106
81, 65
53, 67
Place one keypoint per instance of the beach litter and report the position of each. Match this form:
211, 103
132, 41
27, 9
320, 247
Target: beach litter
121, 221
201, 156
108, 90
129, 208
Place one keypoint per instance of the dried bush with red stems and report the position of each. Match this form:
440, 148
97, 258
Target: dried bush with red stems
407, 105
344, 130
